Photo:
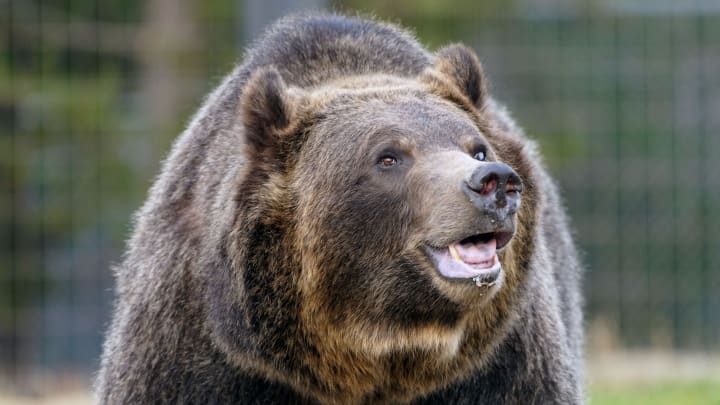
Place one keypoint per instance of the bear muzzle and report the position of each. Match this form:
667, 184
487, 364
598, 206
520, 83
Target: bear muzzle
467, 233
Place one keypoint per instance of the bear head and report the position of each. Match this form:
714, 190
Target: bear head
380, 229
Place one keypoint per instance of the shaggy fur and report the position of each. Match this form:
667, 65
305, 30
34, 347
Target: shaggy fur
278, 261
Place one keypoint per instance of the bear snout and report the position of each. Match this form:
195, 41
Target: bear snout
494, 188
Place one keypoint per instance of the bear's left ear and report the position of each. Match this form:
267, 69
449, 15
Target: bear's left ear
267, 109
460, 66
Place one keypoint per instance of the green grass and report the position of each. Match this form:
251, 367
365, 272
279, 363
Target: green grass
657, 393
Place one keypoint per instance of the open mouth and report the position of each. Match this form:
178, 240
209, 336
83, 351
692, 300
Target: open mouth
474, 257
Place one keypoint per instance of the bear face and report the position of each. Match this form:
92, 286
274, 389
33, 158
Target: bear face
394, 206
395, 201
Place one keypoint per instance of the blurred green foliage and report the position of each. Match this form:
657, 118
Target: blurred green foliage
78, 150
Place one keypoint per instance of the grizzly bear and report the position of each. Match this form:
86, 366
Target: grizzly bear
348, 219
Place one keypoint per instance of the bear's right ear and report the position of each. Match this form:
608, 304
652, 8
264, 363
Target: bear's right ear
266, 110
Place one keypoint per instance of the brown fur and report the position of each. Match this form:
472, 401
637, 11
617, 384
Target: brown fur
276, 262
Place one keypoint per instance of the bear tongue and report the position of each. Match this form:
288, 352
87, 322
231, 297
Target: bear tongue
475, 253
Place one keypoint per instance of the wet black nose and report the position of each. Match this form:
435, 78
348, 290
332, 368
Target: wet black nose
493, 186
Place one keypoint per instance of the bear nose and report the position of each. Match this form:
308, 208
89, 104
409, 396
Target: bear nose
492, 186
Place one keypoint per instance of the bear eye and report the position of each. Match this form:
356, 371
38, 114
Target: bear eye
388, 161
479, 155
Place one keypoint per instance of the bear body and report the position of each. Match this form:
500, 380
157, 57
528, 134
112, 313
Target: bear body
348, 219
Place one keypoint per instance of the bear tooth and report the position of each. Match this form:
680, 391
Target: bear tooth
478, 281
454, 253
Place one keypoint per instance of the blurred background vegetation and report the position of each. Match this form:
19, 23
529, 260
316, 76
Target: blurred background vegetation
622, 95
